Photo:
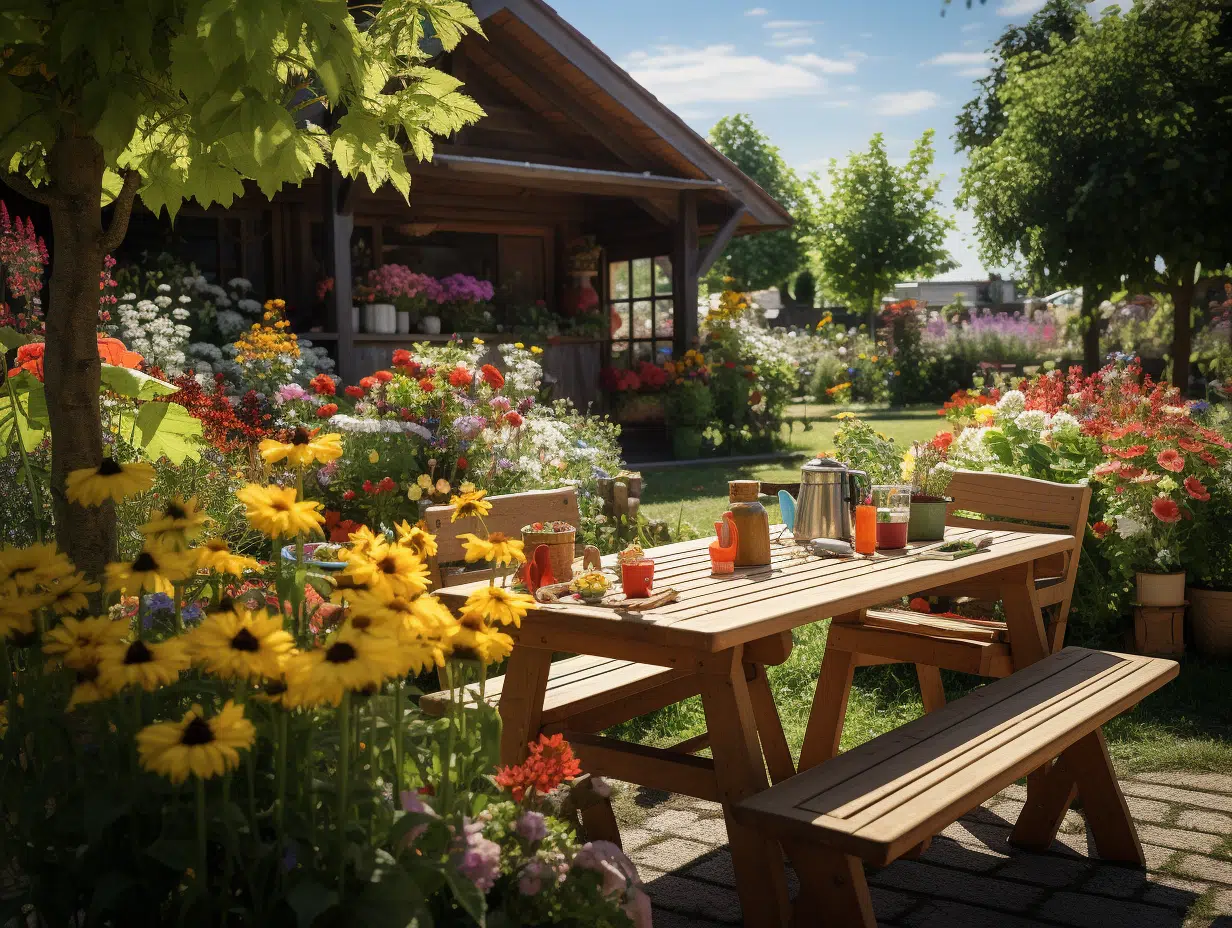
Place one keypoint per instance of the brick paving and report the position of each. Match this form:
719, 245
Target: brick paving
971, 877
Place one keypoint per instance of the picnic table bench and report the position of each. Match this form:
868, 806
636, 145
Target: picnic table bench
877, 802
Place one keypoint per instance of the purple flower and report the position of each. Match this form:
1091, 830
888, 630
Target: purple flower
500, 403
290, 392
191, 614
532, 826
325, 475
469, 427
526, 404
413, 804
530, 880
480, 861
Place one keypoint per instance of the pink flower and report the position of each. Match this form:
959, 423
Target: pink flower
480, 858
532, 826
1195, 489
1171, 459
1165, 510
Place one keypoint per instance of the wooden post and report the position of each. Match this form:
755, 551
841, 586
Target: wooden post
338, 226
684, 270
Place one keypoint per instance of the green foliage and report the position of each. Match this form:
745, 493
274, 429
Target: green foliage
858, 445
761, 261
804, 290
688, 404
880, 223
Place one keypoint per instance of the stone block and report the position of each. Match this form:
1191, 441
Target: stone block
689, 897
1205, 868
1045, 870
937, 913
1210, 782
950, 853
1097, 912
1215, 802
671, 821
1178, 839
1211, 822
673, 853
1172, 891
919, 877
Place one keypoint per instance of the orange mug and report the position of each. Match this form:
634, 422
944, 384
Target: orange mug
637, 578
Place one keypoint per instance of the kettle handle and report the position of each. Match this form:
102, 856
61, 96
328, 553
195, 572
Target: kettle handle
852, 488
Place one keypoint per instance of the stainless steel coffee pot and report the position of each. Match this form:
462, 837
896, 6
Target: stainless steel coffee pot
829, 494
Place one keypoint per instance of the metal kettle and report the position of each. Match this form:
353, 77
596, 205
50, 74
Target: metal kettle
826, 506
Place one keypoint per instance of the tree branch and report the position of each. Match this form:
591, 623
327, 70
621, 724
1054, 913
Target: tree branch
23, 186
123, 209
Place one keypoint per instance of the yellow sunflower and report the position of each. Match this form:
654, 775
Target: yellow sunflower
179, 521
380, 605
363, 539
274, 511
17, 622
474, 640
155, 570
497, 547
303, 449
389, 568
142, 664
87, 688
349, 661
92, 486
215, 555
34, 566
70, 593
432, 615
417, 539
76, 642
497, 604
196, 744
469, 505
239, 644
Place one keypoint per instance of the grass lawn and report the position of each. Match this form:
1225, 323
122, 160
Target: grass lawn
1185, 725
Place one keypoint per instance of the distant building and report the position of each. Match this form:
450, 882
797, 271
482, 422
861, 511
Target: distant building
993, 293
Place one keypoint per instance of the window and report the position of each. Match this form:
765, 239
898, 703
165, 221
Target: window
643, 310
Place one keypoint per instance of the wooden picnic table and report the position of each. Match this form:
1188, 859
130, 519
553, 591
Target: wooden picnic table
707, 631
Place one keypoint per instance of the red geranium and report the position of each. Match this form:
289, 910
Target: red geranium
1165, 510
402, 357
348, 495
460, 377
551, 763
942, 441
327, 410
463, 464
1133, 451
427, 385
1101, 528
323, 385
492, 377
367, 382
354, 392
383, 376
1192, 445
919, 604
513, 420
1209, 458
1195, 489
1171, 459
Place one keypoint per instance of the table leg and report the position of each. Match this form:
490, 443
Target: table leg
932, 692
825, 723
761, 879
521, 703
1024, 618
769, 725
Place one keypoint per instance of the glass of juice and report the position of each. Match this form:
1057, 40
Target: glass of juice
866, 528
893, 503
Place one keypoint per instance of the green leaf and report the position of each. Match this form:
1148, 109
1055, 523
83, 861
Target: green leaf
999, 445
165, 430
309, 900
134, 384
11, 339
466, 894
175, 854
392, 900
29, 417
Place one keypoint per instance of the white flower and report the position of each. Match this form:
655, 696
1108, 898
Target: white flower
164, 288
184, 298
1063, 425
129, 296
1011, 404
239, 283
1129, 527
1034, 420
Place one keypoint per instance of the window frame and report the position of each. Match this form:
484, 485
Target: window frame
626, 343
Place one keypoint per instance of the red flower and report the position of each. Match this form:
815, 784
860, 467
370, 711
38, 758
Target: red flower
1104, 468
1165, 510
112, 351
460, 377
463, 464
919, 604
492, 377
383, 376
1171, 459
327, 410
1195, 489
513, 420
1133, 451
402, 358
551, 762
387, 485
1209, 458
323, 385
367, 486
348, 495
427, 385
30, 358
1131, 473
729, 364
942, 441
1191, 445
354, 392
1101, 528
367, 382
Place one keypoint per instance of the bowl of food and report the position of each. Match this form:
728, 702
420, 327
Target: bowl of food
591, 586
323, 555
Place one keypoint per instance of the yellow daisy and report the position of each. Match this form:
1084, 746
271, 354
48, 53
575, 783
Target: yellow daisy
215, 555
389, 567
87, 688
76, 642
179, 521
497, 604
92, 486
303, 449
474, 640
71, 593
497, 547
155, 570
196, 744
142, 664
17, 623
350, 661
239, 644
417, 539
274, 511
363, 539
35, 565
469, 505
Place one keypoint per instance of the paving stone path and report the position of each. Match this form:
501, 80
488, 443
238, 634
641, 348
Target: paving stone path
971, 877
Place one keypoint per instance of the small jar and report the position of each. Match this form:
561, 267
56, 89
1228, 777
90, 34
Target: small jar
752, 523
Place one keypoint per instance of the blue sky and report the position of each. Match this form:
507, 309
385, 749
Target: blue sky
818, 76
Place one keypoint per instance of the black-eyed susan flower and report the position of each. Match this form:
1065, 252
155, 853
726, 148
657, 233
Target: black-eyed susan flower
348, 662
215, 555
34, 566
142, 664
196, 744
180, 520
239, 644
92, 486
498, 548
274, 511
76, 643
17, 613
303, 449
469, 505
71, 594
497, 604
155, 570
388, 568
417, 539
363, 539
87, 688
476, 640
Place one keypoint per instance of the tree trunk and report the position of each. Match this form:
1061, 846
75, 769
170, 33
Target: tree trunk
1092, 296
71, 363
1182, 303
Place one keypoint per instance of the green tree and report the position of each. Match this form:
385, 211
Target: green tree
1112, 166
880, 224
102, 101
760, 261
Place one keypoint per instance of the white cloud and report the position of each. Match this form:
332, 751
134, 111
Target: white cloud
971, 27
791, 23
973, 72
756, 11
718, 73
1019, 7
956, 59
787, 40
905, 103
825, 65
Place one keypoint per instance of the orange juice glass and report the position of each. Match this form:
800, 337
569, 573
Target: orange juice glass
866, 529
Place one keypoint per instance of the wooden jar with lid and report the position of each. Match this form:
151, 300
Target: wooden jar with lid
752, 523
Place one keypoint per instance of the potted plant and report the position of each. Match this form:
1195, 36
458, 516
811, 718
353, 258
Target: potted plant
925, 466
1210, 590
688, 407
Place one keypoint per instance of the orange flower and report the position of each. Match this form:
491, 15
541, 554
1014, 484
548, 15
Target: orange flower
551, 762
1171, 459
1165, 510
112, 351
30, 358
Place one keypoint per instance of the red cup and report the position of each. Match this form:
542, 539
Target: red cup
637, 578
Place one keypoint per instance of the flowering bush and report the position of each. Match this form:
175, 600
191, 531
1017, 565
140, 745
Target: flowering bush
23, 255
1005, 338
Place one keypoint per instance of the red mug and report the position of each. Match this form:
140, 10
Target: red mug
636, 578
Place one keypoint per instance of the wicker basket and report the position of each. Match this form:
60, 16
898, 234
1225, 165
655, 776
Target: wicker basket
1210, 613
560, 550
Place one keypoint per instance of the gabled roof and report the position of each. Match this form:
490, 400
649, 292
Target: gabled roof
603, 78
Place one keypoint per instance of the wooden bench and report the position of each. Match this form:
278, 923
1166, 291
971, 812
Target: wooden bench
881, 800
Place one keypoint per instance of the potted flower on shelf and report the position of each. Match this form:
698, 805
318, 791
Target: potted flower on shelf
1210, 589
925, 466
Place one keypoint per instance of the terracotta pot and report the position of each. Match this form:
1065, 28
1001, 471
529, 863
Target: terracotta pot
1161, 589
1210, 611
